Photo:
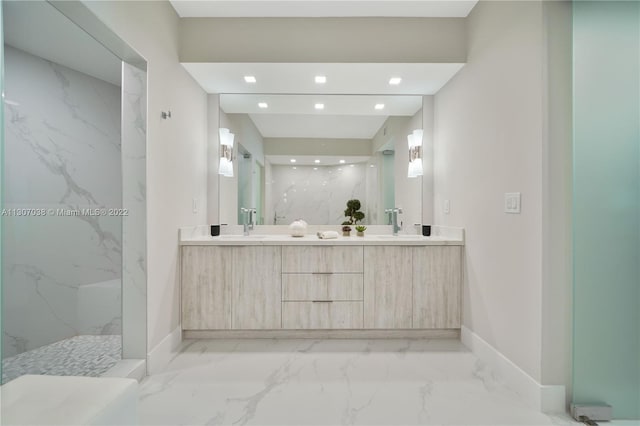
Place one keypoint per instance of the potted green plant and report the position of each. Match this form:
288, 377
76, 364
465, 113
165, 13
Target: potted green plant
361, 229
346, 231
353, 213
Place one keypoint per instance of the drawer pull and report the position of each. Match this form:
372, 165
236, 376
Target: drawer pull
322, 301
322, 273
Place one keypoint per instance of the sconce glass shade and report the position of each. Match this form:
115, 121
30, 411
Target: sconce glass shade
415, 153
226, 152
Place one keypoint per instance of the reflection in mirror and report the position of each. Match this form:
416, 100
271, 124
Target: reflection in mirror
306, 156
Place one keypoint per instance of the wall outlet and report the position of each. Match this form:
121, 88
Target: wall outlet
447, 207
512, 202
194, 205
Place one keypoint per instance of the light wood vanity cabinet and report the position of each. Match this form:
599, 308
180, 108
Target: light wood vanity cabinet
388, 284
274, 287
314, 259
235, 288
206, 287
256, 288
322, 287
437, 287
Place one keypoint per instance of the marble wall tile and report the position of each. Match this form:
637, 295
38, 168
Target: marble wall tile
62, 151
318, 195
134, 198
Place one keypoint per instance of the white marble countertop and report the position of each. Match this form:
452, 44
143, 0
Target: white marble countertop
198, 236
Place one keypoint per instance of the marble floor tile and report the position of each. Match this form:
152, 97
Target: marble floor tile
331, 382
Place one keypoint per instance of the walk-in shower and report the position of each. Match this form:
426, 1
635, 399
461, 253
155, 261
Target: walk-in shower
67, 197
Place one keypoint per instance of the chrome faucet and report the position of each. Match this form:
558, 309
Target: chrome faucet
248, 219
393, 219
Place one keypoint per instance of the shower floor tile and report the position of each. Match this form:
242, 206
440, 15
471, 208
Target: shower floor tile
76, 356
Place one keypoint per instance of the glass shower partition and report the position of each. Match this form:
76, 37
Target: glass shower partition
606, 205
1, 165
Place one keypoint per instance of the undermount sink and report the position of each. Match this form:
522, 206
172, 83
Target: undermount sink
239, 237
401, 237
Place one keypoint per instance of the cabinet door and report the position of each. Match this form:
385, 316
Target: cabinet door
437, 287
257, 290
387, 287
206, 288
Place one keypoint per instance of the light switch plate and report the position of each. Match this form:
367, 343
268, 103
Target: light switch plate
447, 207
512, 202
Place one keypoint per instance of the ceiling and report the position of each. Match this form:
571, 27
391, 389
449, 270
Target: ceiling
343, 116
57, 39
354, 78
325, 8
333, 104
317, 126
308, 160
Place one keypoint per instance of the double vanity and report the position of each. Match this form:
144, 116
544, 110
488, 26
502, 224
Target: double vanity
274, 285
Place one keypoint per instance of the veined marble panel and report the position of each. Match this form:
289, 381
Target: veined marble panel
62, 152
134, 199
318, 195
331, 382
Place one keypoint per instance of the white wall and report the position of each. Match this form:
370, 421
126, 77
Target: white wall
488, 141
557, 157
329, 40
176, 149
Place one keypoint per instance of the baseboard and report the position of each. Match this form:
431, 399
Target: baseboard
548, 399
322, 334
160, 356
128, 368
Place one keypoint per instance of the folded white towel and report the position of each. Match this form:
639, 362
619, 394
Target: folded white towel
327, 235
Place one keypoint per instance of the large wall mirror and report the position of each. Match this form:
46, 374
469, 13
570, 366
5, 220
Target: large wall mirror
305, 156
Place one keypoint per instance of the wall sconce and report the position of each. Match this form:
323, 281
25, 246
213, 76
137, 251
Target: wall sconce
415, 153
226, 153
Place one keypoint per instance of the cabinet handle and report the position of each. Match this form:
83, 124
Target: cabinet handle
322, 301
322, 273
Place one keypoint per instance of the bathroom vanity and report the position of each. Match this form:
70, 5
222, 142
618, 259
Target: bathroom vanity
280, 285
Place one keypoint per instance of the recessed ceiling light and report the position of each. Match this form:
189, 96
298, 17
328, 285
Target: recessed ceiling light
351, 165
315, 168
395, 81
249, 79
379, 106
316, 161
371, 165
341, 161
263, 105
319, 106
321, 79
294, 167
293, 160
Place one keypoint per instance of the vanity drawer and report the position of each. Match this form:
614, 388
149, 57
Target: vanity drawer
322, 315
322, 286
322, 259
